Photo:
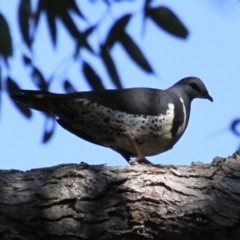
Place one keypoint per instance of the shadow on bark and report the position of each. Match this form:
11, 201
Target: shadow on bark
64, 201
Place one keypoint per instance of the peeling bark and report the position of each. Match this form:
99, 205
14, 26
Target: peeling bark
80, 201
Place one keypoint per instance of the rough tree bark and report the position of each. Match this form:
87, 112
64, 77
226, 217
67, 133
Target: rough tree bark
80, 201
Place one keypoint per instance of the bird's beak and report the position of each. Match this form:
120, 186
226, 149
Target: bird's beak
209, 98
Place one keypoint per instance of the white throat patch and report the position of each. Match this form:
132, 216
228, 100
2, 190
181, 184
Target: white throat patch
182, 127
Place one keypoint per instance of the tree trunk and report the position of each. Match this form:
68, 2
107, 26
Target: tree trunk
80, 201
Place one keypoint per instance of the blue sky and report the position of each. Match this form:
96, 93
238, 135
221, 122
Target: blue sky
211, 52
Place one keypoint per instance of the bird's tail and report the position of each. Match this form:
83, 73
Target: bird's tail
41, 101
32, 99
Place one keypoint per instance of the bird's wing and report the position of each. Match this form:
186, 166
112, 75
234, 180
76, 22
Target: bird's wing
140, 101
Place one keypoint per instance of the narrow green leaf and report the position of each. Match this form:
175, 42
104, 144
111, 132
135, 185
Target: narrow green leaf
24, 16
146, 6
75, 8
69, 24
41, 7
116, 30
89, 30
53, 11
82, 40
5, 38
12, 87
234, 127
85, 36
0, 88
39, 80
0, 79
37, 13
68, 87
168, 21
110, 66
26, 60
49, 127
92, 78
135, 52
52, 27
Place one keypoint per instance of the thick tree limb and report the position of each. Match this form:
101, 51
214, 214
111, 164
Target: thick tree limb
73, 201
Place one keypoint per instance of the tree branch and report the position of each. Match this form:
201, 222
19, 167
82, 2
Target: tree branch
80, 201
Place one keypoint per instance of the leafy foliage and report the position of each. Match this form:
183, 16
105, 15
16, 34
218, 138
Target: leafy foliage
12, 87
68, 87
24, 15
5, 39
49, 127
110, 66
134, 52
70, 13
167, 20
93, 79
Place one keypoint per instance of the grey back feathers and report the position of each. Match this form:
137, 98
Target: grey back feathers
135, 122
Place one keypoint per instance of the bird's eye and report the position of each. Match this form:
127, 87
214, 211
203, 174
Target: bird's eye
195, 87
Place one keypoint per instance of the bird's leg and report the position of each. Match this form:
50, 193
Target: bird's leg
140, 157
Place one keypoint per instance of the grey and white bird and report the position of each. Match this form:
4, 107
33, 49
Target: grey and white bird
135, 122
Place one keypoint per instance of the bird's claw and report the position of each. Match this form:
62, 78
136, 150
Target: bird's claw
140, 161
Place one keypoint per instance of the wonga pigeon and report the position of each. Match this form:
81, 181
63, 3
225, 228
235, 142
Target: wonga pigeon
135, 122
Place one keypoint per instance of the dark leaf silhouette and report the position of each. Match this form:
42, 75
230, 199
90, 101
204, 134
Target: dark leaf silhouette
51, 13
49, 127
234, 127
24, 15
68, 87
93, 79
167, 20
59, 9
135, 52
117, 30
69, 24
39, 80
26, 60
110, 66
52, 27
0, 91
82, 40
5, 39
12, 87
40, 8
74, 7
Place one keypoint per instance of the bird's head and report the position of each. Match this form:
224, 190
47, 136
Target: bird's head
193, 87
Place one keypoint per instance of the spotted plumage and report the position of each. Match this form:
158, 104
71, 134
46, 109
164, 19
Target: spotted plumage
135, 122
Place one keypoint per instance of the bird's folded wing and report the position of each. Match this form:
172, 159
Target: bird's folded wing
140, 101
